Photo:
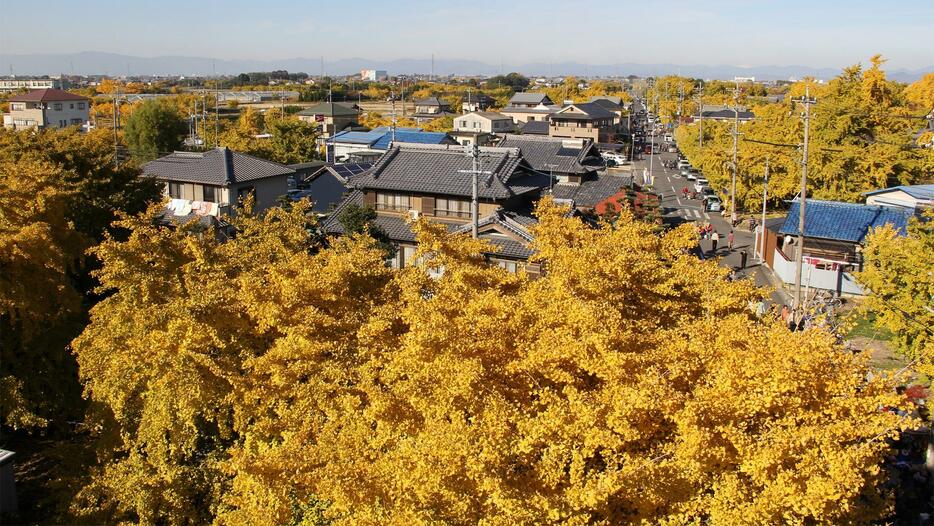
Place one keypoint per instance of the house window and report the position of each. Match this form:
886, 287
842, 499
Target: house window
452, 208
57, 106
71, 106
17, 106
80, 105
210, 193
175, 190
75, 121
397, 202
510, 266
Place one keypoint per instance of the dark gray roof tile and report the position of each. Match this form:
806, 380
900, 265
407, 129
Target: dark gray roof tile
220, 166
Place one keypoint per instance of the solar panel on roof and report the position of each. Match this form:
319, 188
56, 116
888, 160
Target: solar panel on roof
347, 170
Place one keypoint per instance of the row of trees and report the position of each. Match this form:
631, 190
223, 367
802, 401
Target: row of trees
862, 137
271, 380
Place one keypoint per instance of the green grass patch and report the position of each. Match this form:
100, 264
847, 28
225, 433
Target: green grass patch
863, 325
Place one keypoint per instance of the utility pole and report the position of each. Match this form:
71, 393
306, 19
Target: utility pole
808, 101
116, 152
392, 98
700, 116
680, 100
652, 150
216, 108
735, 141
765, 196
551, 176
474, 153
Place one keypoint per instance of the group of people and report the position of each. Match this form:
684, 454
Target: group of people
707, 231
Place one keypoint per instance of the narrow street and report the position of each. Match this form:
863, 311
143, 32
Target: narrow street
669, 183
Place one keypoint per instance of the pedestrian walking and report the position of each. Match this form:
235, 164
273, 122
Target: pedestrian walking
785, 313
742, 259
729, 240
714, 238
684, 192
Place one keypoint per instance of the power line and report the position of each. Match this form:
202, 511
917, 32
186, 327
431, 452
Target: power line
808, 101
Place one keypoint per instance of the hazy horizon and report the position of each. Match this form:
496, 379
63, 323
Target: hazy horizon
720, 32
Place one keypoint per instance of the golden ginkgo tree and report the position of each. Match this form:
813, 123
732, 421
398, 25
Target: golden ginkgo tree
268, 380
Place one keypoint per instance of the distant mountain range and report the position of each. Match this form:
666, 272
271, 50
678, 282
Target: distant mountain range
98, 63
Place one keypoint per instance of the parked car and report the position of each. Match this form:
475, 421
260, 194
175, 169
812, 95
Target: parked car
689, 175
683, 163
713, 204
613, 156
700, 183
672, 148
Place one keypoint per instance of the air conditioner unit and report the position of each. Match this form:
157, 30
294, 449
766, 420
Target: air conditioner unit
413, 214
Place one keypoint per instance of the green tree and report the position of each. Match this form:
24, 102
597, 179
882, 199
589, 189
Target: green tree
292, 141
356, 219
153, 129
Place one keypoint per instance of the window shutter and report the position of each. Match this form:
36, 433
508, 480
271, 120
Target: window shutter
369, 199
428, 206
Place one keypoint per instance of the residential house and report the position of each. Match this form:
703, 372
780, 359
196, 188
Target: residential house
833, 236
574, 164
46, 108
324, 184
587, 120
913, 197
476, 102
357, 146
612, 104
330, 117
529, 106
216, 181
414, 180
534, 128
431, 108
480, 127
725, 113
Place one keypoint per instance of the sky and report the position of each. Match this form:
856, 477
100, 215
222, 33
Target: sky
814, 33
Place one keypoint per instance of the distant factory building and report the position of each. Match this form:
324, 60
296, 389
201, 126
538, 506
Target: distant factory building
373, 75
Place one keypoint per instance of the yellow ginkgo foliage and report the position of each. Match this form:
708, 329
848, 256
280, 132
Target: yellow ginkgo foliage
269, 381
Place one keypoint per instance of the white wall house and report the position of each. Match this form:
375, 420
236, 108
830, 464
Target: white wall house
484, 122
47, 108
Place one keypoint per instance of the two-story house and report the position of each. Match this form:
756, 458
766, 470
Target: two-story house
585, 120
415, 180
575, 166
330, 117
529, 106
476, 101
480, 127
215, 181
431, 108
47, 108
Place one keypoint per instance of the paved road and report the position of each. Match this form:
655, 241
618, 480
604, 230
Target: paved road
677, 210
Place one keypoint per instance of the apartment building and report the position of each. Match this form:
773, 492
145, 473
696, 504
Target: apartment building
46, 108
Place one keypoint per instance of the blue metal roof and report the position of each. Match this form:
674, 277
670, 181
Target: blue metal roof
410, 137
918, 191
357, 137
843, 221
398, 129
